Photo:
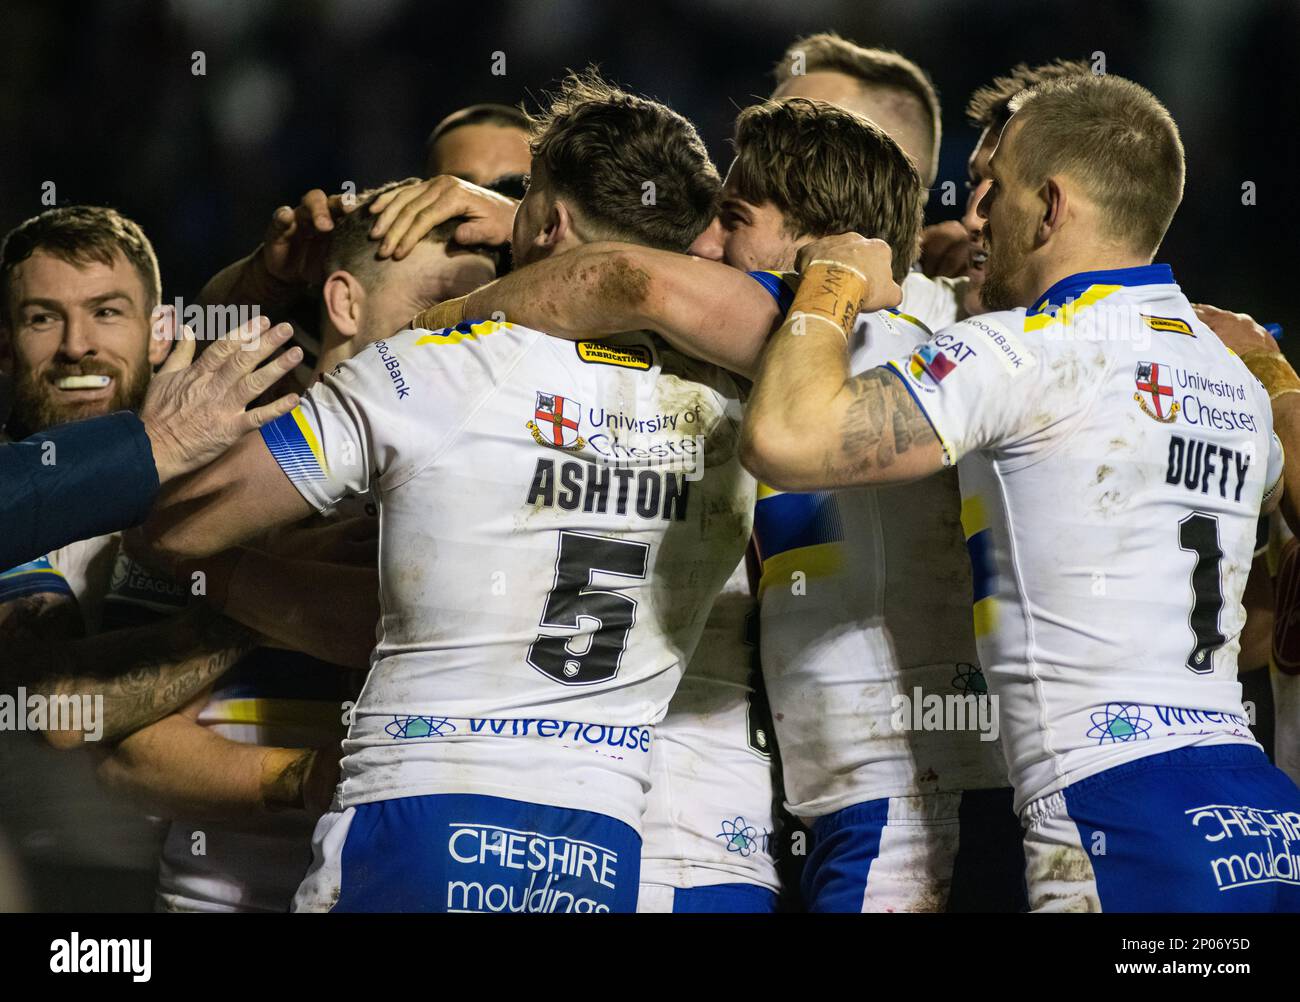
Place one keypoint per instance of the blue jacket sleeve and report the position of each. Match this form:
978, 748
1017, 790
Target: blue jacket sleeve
73, 482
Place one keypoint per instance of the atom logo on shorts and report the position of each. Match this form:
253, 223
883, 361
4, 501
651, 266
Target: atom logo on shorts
1119, 722
556, 422
1152, 381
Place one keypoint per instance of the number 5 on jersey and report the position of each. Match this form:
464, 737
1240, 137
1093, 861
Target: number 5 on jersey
606, 617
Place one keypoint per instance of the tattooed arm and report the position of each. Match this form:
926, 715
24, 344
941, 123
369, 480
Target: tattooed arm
809, 425
141, 674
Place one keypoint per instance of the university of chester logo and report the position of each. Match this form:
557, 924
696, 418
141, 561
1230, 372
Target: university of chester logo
555, 423
1150, 385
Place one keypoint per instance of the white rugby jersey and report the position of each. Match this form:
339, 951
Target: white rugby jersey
1113, 455
866, 629
708, 816
555, 521
936, 302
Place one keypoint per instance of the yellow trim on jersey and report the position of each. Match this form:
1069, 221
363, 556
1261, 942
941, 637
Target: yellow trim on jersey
766, 492
275, 713
309, 436
975, 520
454, 335
11, 575
821, 560
1093, 295
984, 613
974, 516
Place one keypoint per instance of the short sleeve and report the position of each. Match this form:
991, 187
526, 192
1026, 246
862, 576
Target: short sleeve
36, 577
780, 285
971, 381
379, 418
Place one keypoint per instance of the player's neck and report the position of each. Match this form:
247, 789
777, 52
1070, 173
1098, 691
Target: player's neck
1089, 259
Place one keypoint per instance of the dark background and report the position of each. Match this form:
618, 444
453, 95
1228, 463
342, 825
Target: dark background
100, 99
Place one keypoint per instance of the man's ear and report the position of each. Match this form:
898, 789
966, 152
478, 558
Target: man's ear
1054, 204
344, 300
163, 324
557, 227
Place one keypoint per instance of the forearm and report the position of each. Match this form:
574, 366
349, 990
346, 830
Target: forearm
323, 609
134, 677
178, 768
788, 438
702, 308
237, 498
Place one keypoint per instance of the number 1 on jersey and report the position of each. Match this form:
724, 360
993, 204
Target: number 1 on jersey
1199, 533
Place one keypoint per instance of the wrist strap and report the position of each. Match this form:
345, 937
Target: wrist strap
446, 314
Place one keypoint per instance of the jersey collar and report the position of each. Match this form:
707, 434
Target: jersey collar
1073, 286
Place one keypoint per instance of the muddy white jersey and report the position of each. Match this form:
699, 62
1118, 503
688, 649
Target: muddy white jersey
555, 521
1113, 455
709, 817
866, 629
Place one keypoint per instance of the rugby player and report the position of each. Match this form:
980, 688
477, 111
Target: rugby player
539, 600
78, 288
955, 248
1111, 483
485, 144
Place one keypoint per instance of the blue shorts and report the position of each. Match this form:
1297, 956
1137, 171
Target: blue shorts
931, 853
715, 899
470, 853
1201, 829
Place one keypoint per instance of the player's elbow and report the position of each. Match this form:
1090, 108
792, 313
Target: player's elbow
770, 451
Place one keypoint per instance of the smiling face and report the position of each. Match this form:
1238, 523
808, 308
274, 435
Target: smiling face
79, 339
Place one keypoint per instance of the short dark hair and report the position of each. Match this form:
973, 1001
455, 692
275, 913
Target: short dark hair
885, 68
1116, 139
504, 115
988, 105
80, 234
599, 146
352, 249
829, 171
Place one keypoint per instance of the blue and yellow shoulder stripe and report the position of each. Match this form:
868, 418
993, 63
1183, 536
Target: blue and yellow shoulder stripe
295, 446
466, 330
36, 577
